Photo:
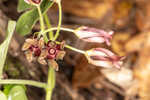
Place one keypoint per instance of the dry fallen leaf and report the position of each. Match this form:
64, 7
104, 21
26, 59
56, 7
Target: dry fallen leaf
118, 42
121, 13
143, 15
87, 8
122, 78
85, 74
141, 43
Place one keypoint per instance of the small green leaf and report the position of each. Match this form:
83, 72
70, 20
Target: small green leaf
7, 88
22, 6
17, 93
5, 44
2, 96
29, 18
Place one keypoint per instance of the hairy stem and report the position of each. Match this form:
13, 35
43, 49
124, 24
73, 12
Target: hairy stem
24, 82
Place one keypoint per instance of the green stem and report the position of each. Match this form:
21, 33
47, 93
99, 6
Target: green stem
41, 19
72, 48
60, 21
24, 82
50, 83
75, 49
67, 46
61, 28
48, 26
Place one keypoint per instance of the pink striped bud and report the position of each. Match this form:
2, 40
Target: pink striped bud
103, 58
33, 2
94, 35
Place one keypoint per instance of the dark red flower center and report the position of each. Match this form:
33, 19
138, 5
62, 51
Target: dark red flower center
35, 49
52, 51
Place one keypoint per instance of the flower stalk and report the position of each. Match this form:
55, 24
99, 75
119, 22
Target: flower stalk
72, 48
48, 26
41, 19
50, 83
60, 20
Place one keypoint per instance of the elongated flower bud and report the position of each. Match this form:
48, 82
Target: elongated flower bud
94, 35
103, 58
33, 2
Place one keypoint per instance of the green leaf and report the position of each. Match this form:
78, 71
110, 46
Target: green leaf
29, 18
2, 96
5, 44
22, 6
7, 88
17, 93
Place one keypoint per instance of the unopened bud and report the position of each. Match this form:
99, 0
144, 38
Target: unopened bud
33, 2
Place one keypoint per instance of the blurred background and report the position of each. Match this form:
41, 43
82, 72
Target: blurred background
76, 79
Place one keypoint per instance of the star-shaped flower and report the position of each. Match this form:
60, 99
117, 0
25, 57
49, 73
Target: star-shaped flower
51, 53
32, 48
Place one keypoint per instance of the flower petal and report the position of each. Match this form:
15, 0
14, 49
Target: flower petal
106, 51
42, 60
34, 2
41, 43
25, 46
44, 53
27, 1
105, 64
60, 55
29, 56
31, 41
53, 64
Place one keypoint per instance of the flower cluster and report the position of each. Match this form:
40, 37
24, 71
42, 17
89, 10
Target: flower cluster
46, 53
99, 56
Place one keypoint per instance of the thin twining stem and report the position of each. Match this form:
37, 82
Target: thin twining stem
60, 21
72, 48
67, 46
24, 82
41, 18
48, 26
61, 28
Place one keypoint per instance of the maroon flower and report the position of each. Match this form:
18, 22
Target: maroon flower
55, 50
33, 2
104, 58
32, 48
94, 35
52, 52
